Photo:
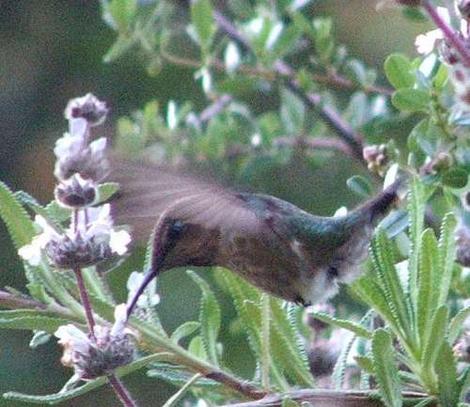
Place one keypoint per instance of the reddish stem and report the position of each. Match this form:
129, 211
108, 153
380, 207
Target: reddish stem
121, 391
85, 302
448, 32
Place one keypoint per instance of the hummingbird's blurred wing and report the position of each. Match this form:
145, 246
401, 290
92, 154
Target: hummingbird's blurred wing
147, 191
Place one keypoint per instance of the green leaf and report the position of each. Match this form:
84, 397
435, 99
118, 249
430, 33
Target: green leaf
446, 370
184, 330
292, 112
343, 323
455, 177
384, 263
106, 191
434, 339
250, 318
399, 71
427, 284
411, 100
122, 12
86, 388
288, 402
18, 222
287, 347
203, 21
385, 368
57, 212
178, 376
366, 363
416, 206
456, 324
209, 317
360, 186
446, 256
181, 392
47, 324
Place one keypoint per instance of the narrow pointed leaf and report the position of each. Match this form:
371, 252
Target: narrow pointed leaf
384, 264
456, 324
427, 284
343, 323
385, 368
18, 222
79, 391
184, 330
435, 338
291, 356
446, 370
446, 256
209, 317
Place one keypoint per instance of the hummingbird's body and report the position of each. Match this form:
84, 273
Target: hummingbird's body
271, 243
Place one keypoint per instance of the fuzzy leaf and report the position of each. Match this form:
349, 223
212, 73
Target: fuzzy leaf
456, 324
416, 204
79, 391
384, 264
446, 370
343, 323
434, 339
184, 330
385, 368
446, 256
178, 376
427, 286
360, 186
209, 317
18, 222
291, 351
411, 100
365, 363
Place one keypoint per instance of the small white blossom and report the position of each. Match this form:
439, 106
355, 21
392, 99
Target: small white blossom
118, 241
256, 140
89, 358
231, 57
32, 252
69, 145
425, 43
98, 147
343, 211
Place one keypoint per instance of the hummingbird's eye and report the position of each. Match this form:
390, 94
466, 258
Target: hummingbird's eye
332, 272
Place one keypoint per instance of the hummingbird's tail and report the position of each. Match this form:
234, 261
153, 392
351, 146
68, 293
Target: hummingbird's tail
379, 206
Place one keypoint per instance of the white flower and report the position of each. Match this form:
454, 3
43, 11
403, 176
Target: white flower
32, 252
149, 298
118, 241
231, 57
426, 42
98, 147
73, 340
69, 145
343, 211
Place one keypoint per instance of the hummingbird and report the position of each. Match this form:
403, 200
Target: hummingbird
273, 244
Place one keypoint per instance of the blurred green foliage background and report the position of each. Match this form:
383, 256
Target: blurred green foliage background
51, 51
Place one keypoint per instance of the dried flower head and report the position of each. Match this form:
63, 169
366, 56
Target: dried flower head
114, 347
87, 107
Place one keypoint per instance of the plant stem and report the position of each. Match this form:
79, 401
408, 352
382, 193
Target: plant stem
313, 100
448, 32
121, 391
85, 302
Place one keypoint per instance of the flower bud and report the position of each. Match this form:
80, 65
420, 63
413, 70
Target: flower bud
88, 107
322, 357
75, 192
376, 158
